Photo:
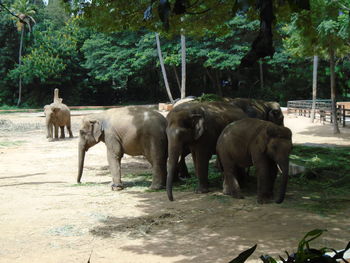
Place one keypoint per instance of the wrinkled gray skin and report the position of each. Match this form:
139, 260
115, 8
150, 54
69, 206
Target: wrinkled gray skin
197, 126
57, 116
255, 142
260, 109
130, 130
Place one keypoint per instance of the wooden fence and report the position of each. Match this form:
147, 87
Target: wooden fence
323, 110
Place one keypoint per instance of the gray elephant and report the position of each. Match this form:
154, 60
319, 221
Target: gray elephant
255, 142
196, 126
260, 109
57, 115
130, 130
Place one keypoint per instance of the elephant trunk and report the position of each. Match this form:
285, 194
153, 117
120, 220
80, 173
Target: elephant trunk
285, 174
81, 161
174, 154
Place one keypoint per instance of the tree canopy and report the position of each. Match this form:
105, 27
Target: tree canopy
193, 18
92, 65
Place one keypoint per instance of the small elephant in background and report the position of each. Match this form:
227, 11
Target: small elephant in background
260, 109
57, 115
255, 142
131, 130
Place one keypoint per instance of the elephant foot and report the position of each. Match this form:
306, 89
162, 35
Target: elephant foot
157, 186
265, 198
117, 187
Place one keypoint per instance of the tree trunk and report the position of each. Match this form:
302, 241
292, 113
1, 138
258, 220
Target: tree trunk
218, 83
177, 78
161, 61
211, 78
261, 74
183, 66
19, 65
334, 103
314, 88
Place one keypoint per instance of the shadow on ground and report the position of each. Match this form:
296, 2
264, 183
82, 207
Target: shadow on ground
212, 227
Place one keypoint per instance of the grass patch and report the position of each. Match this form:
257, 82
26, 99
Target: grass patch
215, 179
142, 180
223, 199
11, 143
324, 186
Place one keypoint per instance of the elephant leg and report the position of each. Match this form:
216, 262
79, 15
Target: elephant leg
241, 176
70, 131
183, 172
201, 165
264, 181
158, 161
231, 184
62, 132
272, 178
114, 166
56, 131
49, 130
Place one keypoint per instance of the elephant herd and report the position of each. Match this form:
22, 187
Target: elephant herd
242, 132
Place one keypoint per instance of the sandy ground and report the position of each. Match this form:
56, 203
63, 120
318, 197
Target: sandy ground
46, 217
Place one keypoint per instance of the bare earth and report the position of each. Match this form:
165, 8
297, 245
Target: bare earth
46, 217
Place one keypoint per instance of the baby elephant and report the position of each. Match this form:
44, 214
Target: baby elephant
130, 130
255, 142
57, 115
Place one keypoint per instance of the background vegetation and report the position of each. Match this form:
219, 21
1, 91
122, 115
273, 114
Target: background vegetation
91, 67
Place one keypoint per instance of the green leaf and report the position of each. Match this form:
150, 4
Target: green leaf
242, 257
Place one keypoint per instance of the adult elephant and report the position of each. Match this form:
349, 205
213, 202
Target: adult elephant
196, 126
255, 142
260, 109
130, 130
57, 116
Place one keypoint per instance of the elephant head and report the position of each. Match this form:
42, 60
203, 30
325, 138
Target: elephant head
50, 112
91, 133
184, 127
277, 144
274, 113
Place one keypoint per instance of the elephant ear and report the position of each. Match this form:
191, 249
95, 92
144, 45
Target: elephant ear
262, 139
279, 132
197, 125
96, 129
275, 116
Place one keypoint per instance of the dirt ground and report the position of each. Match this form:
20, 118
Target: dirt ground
46, 217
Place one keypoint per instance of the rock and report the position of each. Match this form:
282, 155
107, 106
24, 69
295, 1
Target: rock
295, 169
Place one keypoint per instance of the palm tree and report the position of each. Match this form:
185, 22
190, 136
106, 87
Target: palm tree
24, 11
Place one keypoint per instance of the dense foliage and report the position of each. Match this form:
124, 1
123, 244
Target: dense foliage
92, 66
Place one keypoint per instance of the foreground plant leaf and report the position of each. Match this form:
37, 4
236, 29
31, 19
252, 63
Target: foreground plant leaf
244, 255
